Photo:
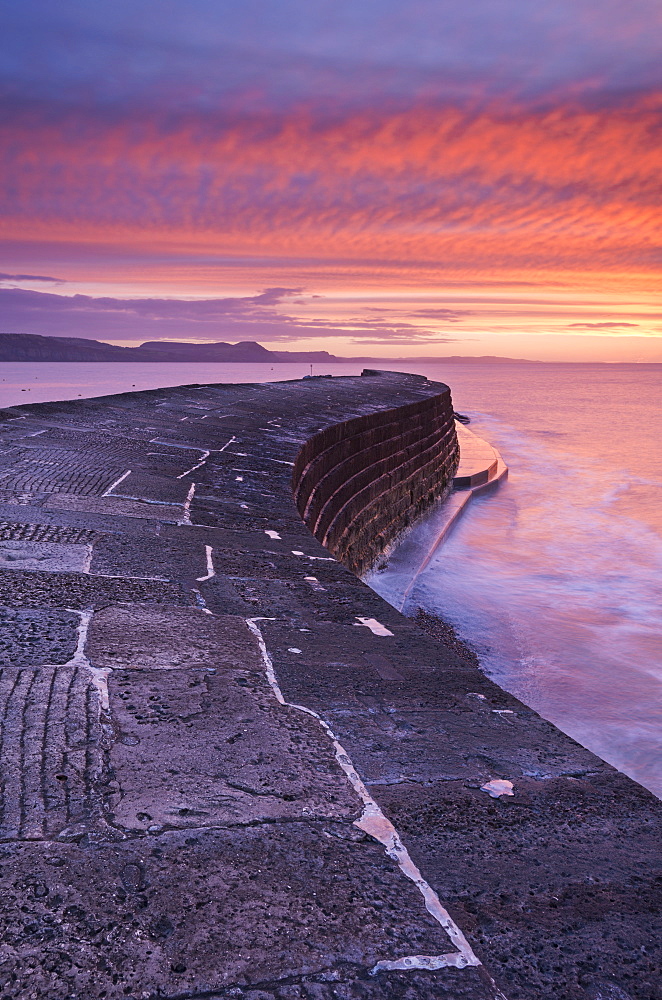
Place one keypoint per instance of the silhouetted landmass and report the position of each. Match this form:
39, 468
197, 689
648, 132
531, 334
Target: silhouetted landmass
34, 347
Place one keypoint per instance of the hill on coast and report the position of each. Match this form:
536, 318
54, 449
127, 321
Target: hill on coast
34, 347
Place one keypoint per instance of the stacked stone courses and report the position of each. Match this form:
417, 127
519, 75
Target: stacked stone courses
230, 770
362, 482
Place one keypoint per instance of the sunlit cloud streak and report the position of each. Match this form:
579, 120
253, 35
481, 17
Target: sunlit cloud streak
517, 188
254, 317
602, 326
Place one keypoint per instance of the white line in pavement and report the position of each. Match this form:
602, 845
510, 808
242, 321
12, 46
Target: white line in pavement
116, 483
205, 456
210, 565
186, 512
297, 552
200, 602
88, 558
98, 675
231, 441
376, 825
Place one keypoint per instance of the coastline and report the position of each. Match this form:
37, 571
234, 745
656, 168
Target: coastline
246, 874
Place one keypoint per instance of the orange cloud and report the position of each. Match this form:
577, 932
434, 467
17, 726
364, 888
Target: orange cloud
556, 191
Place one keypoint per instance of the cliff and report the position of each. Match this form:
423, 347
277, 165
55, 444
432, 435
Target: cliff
33, 347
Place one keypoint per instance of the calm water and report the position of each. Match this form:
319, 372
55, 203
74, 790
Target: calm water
556, 579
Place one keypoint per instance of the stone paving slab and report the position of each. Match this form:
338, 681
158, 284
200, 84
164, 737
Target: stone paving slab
25, 531
148, 637
221, 512
51, 751
193, 911
198, 735
40, 555
37, 589
399, 720
153, 489
297, 602
30, 637
114, 505
68, 521
201, 748
59, 470
153, 559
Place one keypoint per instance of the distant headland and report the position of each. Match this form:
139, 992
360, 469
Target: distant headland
34, 347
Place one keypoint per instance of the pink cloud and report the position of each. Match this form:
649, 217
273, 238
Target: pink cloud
253, 317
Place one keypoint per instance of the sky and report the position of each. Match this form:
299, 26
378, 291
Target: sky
392, 178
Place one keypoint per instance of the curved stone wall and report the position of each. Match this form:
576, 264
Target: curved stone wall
358, 484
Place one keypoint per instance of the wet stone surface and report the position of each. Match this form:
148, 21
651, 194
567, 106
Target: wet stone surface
544, 881
187, 913
31, 637
406, 719
170, 829
57, 590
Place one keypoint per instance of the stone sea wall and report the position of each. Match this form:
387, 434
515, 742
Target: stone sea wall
231, 771
359, 483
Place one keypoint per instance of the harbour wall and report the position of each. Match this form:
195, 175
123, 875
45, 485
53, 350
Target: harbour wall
359, 483
231, 770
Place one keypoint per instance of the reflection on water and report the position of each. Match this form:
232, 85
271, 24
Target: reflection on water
557, 582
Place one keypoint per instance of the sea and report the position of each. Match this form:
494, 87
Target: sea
555, 578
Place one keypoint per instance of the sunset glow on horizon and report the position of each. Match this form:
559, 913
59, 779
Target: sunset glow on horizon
383, 179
